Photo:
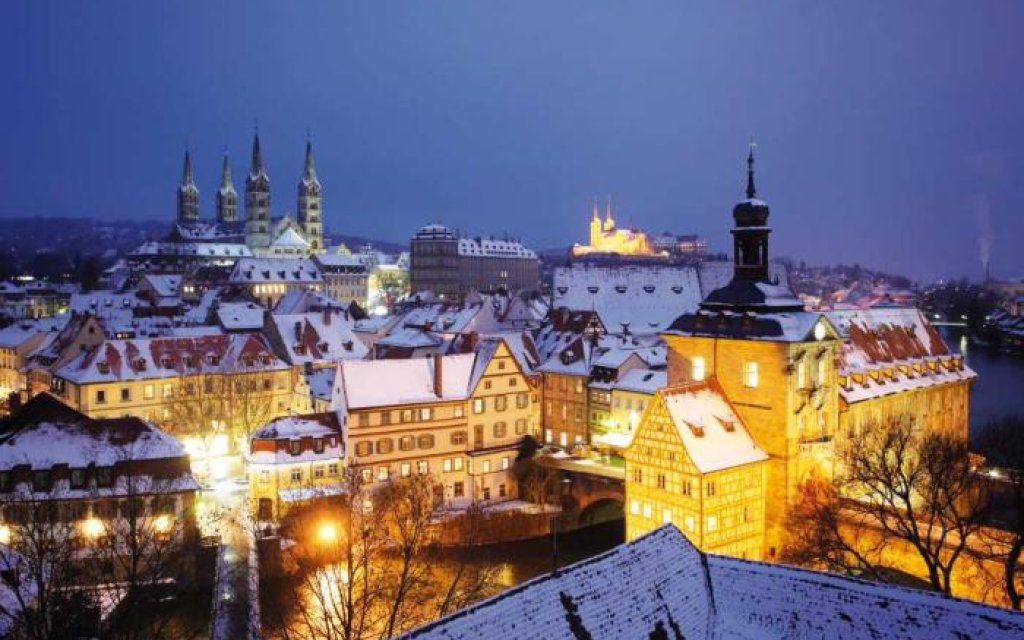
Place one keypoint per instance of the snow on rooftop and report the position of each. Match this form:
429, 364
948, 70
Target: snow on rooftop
714, 436
642, 381
78, 445
375, 383
661, 581
240, 316
646, 299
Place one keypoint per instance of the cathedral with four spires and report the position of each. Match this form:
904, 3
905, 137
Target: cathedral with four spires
264, 234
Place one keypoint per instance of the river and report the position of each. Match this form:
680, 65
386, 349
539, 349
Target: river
999, 389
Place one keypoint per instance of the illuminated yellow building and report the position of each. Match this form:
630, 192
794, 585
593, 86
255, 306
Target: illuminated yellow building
207, 390
459, 418
606, 237
693, 463
294, 460
796, 379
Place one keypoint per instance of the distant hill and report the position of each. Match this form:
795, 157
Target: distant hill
354, 243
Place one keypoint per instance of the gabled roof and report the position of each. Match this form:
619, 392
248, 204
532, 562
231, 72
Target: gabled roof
660, 581
378, 383
712, 433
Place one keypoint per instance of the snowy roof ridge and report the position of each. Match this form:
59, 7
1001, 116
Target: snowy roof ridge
622, 561
660, 580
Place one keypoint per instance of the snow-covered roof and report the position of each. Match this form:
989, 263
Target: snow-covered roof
77, 445
240, 316
155, 358
713, 434
377, 383
165, 286
21, 331
317, 336
298, 427
642, 381
660, 581
289, 238
491, 248
275, 270
643, 298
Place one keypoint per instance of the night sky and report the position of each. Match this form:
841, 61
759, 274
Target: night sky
889, 133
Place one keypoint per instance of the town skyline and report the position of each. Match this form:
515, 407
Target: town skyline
872, 136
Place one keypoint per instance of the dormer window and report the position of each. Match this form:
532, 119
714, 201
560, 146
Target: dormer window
103, 367
213, 360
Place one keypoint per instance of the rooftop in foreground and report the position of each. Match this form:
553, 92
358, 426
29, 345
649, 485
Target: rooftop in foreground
660, 585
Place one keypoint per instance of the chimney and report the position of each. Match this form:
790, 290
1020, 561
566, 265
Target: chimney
327, 316
438, 388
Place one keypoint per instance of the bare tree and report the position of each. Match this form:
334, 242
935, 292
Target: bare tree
1002, 444
820, 535
906, 485
409, 506
336, 577
367, 564
140, 548
220, 404
40, 565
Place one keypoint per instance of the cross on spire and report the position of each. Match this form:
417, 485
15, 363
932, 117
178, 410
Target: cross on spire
751, 191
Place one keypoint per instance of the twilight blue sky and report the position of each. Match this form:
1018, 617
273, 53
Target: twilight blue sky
890, 133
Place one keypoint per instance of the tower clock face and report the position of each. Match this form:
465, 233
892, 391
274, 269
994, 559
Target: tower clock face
819, 331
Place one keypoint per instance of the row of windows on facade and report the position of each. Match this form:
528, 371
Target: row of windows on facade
549, 411
662, 481
426, 414
79, 478
149, 390
562, 383
751, 373
73, 510
319, 472
448, 465
563, 438
426, 441
689, 521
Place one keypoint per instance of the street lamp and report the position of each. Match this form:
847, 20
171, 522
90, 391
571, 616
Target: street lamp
327, 532
554, 528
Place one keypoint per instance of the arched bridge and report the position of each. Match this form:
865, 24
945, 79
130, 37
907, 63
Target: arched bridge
591, 492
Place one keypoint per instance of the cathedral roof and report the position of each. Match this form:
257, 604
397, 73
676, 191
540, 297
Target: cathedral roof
289, 239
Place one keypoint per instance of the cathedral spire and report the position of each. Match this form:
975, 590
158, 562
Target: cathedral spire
257, 157
187, 178
227, 197
595, 215
225, 175
751, 191
188, 193
310, 171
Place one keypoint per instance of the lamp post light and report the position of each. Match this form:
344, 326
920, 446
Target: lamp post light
565, 482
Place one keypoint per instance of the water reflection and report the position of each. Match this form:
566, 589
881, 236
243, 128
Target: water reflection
998, 389
298, 606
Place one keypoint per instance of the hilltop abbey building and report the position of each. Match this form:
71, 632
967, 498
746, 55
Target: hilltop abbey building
260, 232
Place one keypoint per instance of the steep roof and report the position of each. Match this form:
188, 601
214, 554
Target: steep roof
377, 383
713, 434
661, 581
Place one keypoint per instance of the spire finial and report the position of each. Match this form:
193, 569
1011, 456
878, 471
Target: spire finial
751, 191
225, 174
257, 153
187, 179
310, 171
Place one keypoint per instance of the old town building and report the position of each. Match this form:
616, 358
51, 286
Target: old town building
294, 460
450, 265
457, 417
606, 237
269, 279
94, 473
797, 379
